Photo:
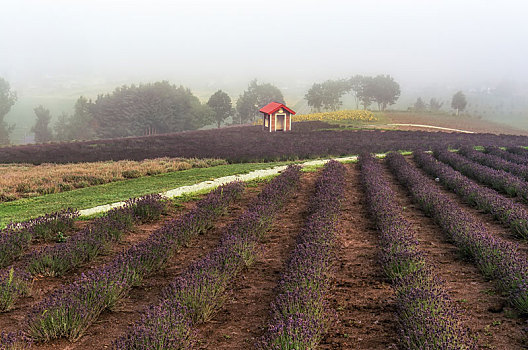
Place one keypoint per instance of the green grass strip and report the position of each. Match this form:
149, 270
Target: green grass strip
83, 198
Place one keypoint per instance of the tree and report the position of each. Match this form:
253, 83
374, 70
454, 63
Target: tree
220, 103
315, 97
255, 97
327, 95
7, 100
459, 102
384, 91
62, 127
419, 105
41, 128
365, 92
355, 84
435, 105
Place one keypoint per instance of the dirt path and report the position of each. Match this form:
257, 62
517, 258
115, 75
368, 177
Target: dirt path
243, 319
361, 297
482, 307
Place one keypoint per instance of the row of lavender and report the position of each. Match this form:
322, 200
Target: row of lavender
199, 291
16, 238
495, 161
503, 209
69, 311
499, 180
83, 246
300, 315
508, 155
496, 258
521, 151
427, 316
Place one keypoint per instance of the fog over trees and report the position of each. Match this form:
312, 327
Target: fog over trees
62, 50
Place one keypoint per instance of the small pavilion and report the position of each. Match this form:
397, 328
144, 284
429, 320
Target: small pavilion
276, 117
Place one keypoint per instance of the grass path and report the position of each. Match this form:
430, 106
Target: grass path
89, 197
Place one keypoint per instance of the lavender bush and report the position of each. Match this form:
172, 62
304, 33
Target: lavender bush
521, 151
496, 258
16, 238
89, 242
69, 311
495, 162
14, 341
427, 316
503, 209
509, 156
199, 291
13, 284
300, 314
500, 180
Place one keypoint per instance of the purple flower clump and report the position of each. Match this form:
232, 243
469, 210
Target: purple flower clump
14, 341
13, 284
427, 316
512, 157
300, 314
200, 289
500, 180
494, 161
16, 237
496, 258
69, 311
505, 210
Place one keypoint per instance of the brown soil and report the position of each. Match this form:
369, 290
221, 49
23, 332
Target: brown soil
484, 311
494, 226
243, 319
361, 296
112, 324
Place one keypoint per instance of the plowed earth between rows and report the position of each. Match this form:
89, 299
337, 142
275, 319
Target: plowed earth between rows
362, 299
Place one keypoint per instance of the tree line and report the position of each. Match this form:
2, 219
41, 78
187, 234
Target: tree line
381, 89
161, 107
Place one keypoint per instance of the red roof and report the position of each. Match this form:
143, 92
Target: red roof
273, 107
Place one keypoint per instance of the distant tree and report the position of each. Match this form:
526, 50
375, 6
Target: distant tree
41, 128
7, 100
435, 105
419, 105
459, 102
355, 84
62, 127
327, 95
246, 107
315, 97
333, 90
82, 125
365, 92
384, 91
220, 103
255, 97
147, 109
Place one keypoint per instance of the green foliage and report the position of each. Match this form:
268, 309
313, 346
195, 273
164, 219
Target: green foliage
135, 110
220, 103
41, 128
254, 98
419, 105
7, 100
384, 91
459, 102
435, 105
327, 95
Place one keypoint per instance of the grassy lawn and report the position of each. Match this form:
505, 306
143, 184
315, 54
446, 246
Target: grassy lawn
89, 197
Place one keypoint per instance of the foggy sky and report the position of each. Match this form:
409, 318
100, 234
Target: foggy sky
418, 42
